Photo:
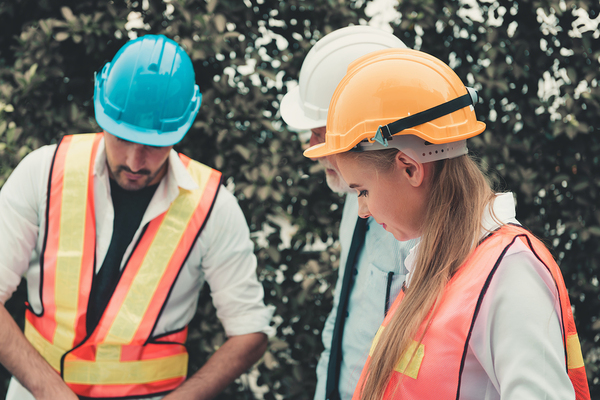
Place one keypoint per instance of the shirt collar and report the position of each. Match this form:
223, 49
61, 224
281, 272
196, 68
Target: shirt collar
100, 168
504, 211
177, 175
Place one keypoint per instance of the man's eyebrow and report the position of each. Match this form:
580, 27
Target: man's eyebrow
353, 185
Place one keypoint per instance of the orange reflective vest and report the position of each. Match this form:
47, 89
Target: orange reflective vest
435, 370
119, 358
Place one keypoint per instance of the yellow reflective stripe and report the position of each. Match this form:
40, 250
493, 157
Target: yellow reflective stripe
574, 355
409, 365
376, 340
110, 372
51, 353
406, 365
200, 173
71, 236
156, 260
108, 352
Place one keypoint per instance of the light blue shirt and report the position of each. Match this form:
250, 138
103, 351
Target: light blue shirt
379, 270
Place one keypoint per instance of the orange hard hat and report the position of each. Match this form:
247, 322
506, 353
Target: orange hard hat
400, 98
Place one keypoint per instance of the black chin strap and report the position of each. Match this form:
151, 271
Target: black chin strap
385, 132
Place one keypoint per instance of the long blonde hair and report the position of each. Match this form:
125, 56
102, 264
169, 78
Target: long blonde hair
459, 194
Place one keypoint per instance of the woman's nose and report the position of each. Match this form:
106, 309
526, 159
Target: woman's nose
363, 210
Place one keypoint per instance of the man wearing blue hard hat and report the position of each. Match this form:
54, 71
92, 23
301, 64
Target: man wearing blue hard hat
116, 233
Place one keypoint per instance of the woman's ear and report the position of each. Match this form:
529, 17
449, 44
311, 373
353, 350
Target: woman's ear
412, 170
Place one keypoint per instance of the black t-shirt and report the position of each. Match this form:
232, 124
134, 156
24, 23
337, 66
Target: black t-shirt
129, 206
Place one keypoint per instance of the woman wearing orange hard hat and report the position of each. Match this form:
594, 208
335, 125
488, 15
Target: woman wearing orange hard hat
485, 313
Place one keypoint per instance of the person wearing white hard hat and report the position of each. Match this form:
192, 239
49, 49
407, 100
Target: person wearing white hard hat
372, 262
116, 234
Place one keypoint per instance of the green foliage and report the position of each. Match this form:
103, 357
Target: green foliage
537, 77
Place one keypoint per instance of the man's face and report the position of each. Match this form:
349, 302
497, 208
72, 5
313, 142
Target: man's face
134, 166
332, 172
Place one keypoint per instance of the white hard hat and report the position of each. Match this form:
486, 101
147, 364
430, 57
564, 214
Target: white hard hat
305, 106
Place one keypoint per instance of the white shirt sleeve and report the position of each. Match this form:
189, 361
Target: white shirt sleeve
229, 265
517, 336
21, 201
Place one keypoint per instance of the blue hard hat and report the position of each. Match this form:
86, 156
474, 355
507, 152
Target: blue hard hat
148, 93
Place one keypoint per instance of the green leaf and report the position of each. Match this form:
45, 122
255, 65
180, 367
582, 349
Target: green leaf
68, 14
61, 36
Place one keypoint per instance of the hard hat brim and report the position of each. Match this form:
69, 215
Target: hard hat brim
320, 150
408, 139
129, 133
293, 114
134, 134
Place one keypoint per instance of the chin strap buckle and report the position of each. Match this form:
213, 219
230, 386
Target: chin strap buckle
380, 137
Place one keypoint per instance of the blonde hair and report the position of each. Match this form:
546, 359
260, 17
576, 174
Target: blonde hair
459, 194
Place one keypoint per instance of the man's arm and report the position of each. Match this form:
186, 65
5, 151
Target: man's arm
225, 254
232, 359
27, 365
20, 201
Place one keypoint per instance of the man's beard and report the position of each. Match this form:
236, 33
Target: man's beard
127, 184
334, 178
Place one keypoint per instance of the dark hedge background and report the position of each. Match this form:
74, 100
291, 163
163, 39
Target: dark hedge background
535, 63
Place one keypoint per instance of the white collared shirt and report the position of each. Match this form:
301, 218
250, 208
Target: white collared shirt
516, 349
222, 255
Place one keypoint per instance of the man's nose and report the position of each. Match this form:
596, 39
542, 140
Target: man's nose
135, 157
315, 139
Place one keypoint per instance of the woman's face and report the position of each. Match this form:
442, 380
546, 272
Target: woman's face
395, 198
